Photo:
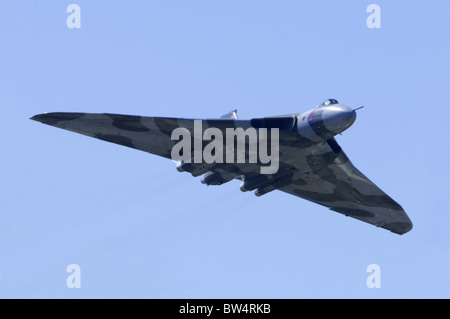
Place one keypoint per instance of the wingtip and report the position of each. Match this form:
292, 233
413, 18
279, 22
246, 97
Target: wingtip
399, 228
38, 117
45, 118
55, 117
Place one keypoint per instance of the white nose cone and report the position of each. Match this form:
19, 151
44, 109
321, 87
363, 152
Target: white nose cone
338, 118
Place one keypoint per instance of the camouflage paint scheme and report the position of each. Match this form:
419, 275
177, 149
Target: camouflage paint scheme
311, 163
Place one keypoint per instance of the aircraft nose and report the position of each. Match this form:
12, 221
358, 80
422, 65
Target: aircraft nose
338, 118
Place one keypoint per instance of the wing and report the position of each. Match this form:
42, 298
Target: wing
149, 134
331, 180
153, 135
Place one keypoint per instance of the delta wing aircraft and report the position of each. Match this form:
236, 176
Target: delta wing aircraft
305, 160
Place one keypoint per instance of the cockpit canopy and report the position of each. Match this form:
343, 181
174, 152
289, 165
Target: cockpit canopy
329, 102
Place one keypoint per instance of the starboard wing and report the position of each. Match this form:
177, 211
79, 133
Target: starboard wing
333, 181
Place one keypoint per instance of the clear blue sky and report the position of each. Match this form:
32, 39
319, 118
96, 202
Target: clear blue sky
138, 228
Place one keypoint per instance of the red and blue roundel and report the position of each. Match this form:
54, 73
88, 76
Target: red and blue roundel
311, 118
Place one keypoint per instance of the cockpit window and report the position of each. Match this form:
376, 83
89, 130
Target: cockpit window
329, 102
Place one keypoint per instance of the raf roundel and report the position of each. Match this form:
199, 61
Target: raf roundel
311, 118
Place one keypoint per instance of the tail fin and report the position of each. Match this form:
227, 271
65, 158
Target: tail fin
232, 115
